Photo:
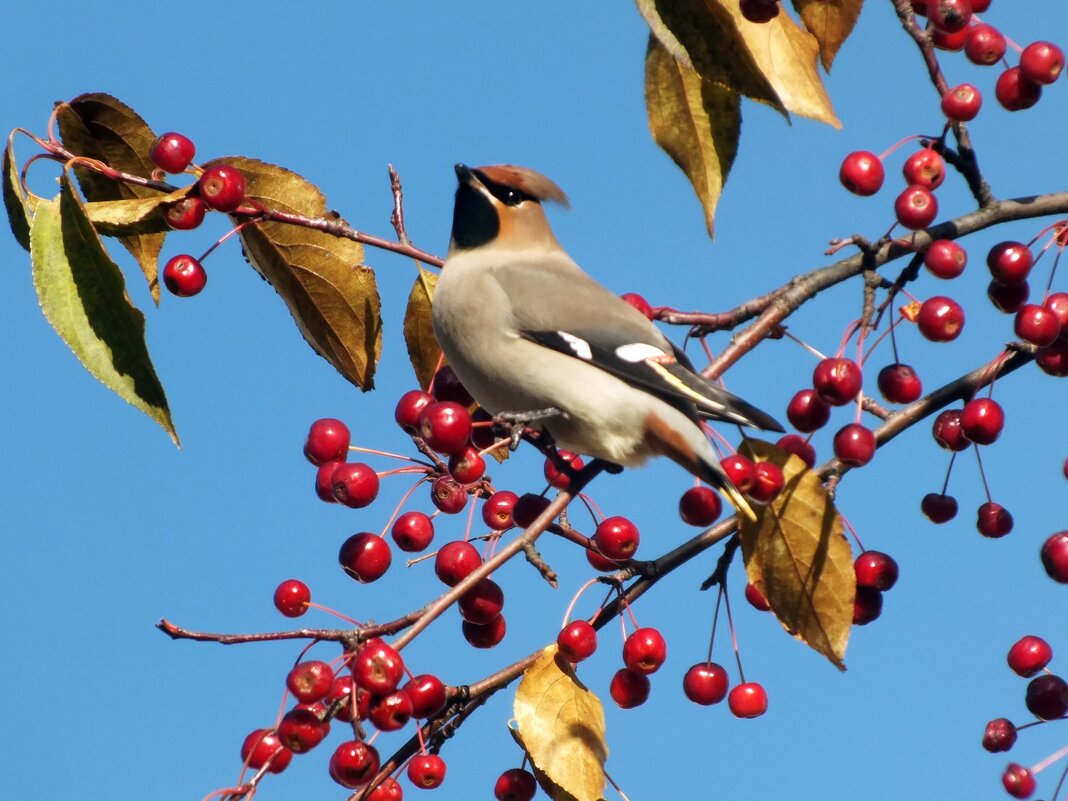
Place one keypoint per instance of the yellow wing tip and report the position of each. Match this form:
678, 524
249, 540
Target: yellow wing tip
739, 502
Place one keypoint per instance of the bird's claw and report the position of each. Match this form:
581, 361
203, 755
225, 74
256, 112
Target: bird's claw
516, 422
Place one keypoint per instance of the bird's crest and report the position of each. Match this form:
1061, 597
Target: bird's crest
526, 180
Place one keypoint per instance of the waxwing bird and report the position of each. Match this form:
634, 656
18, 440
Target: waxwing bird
532, 335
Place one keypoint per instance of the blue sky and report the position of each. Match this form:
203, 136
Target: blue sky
107, 527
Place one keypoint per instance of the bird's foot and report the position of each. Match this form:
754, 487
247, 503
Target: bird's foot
516, 422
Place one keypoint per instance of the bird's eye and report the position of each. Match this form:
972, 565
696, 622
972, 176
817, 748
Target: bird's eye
513, 197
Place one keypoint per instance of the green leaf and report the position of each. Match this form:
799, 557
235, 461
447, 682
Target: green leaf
830, 21
134, 216
83, 295
798, 557
423, 349
332, 296
696, 121
19, 206
101, 127
561, 727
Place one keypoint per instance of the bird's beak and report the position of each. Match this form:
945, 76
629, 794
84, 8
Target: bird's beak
464, 174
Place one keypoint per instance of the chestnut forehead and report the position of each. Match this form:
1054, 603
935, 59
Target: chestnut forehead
525, 180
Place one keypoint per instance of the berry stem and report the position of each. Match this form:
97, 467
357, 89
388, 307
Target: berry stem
982, 473
1045, 763
734, 634
574, 600
715, 622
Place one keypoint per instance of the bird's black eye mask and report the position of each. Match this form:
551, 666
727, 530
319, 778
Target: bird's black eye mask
474, 219
508, 195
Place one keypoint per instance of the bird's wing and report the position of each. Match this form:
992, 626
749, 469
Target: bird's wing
558, 306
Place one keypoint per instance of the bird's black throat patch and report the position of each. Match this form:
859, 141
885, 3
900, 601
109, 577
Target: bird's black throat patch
474, 219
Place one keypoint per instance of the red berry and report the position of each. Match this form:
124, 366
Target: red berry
355, 703
617, 538
876, 570
1054, 555
806, 412
979, 6
185, 214
945, 259
528, 509
1041, 62
410, 409
899, 383
1008, 298
310, 681
292, 598
172, 152
390, 712
939, 508
497, 510
759, 10
426, 771
768, 482
388, 790
705, 683
482, 603
1054, 358
428, 695
799, 446
950, 16
222, 187
916, 207
1047, 697
700, 506
1019, 782
985, 45
862, 173
993, 520
982, 420
962, 103
639, 303
328, 441
324, 481
445, 426
515, 785
925, 168
854, 445
467, 466
756, 598
1037, 324
1015, 91
601, 563
447, 495
558, 478
365, 557
354, 763
263, 745
1029, 655
629, 689
1000, 735
1058, 304
485, 635
377, 667
644, 651
919, 7
740, 471
413, 531
1010, 262
867, 606
300, 730
446, 386
947, 431
577, 641
837, 380
941, 319
184, 276
944, 40
354, 484
748, 700
455, 561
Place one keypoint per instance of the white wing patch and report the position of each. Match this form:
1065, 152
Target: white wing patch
639, 352
580, 347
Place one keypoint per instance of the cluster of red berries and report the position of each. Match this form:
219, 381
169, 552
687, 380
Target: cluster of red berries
1046, 698
221, 188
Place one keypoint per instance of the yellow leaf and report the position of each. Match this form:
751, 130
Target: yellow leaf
704, 36
561, 727
19, 206
332, 296
423, 349
133, 216
799, 558
830, 21
786, 56
696, 121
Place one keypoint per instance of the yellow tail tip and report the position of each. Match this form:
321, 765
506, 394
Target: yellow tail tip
739, 502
